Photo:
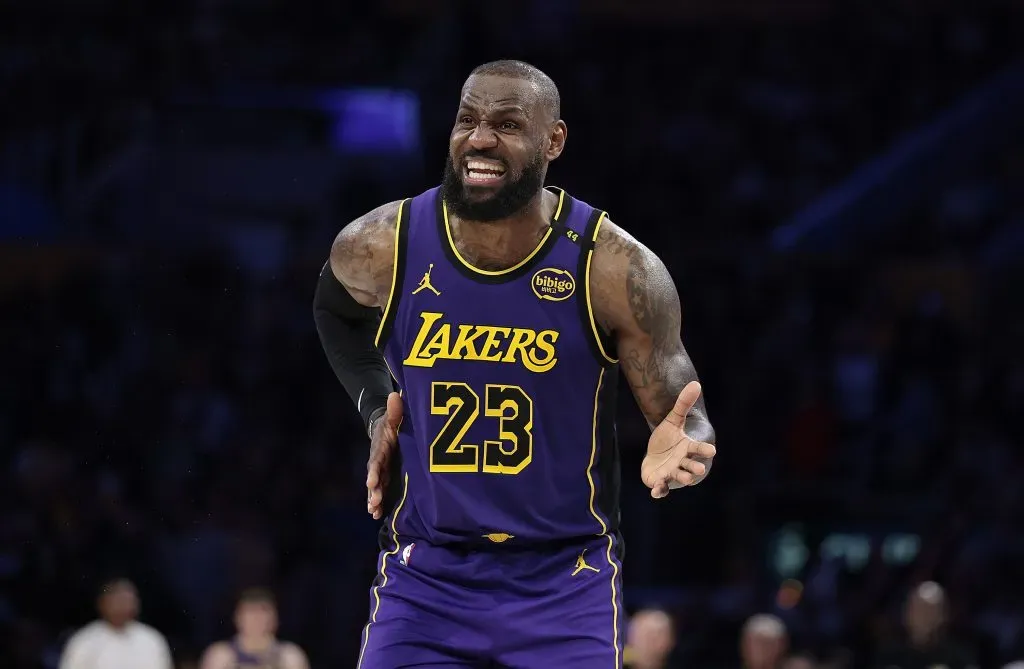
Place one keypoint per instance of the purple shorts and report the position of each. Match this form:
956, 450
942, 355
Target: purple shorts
443, 607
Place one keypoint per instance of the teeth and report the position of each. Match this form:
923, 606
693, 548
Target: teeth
481, 166
477, 174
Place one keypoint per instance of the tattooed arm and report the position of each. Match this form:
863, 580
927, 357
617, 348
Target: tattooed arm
635, 301
362, 256
352, 288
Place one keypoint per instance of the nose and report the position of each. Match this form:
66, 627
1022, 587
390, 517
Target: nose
483, 137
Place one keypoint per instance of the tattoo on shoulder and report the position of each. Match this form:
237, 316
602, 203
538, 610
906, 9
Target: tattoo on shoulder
363, 252
652, 299
613, 240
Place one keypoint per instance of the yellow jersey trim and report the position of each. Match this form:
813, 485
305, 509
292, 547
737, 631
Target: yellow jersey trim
593, 454
597, 517
383, 572
507, 270
394, 275
586, 291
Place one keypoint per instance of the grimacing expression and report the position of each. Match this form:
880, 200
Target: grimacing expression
500, 146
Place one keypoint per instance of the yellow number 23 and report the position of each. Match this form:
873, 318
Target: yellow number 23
510, 453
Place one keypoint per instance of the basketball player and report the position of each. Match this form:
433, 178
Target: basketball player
256, 645
503, 309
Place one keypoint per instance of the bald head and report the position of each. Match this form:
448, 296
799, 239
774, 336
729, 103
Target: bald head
763, 641
547, 92
765, 626
925, 612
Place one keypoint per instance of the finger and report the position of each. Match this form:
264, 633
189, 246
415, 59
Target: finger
394, 410
693, 466
659, 491
684, 477
687, 398
701, 449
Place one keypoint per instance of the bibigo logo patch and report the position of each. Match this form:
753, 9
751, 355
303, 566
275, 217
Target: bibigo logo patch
553, 284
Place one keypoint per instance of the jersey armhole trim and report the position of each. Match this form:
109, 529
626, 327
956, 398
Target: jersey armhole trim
387, 320
600, 343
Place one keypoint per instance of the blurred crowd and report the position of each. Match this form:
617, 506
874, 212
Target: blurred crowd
169, 418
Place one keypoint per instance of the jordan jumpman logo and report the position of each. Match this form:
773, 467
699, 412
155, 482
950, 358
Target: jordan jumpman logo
425, 282
581, 564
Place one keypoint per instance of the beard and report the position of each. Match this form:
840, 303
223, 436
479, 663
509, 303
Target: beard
511, 198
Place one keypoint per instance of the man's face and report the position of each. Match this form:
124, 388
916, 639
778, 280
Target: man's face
256, 618
120, 604
761, 651
499, 148
650, 636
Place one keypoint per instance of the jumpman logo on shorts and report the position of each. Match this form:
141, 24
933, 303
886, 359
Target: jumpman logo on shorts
581, 564
425, 282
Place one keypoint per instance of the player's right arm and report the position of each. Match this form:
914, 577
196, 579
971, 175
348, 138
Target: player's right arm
354, 286
217, 656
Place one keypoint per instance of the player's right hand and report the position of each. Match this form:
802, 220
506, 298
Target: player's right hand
383, 444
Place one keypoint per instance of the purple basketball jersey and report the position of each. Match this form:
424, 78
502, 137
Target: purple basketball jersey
508, 387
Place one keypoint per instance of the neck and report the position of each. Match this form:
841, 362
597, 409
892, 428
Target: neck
505, 242
535, 215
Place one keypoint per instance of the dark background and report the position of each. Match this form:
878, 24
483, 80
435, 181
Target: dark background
837, 187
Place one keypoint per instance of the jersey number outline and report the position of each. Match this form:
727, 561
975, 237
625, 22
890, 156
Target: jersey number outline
510, 453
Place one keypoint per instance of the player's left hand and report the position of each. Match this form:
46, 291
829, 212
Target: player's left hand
671, 462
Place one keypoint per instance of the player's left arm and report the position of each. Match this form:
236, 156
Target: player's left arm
635, 301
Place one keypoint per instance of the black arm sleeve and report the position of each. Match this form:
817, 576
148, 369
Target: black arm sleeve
347, 330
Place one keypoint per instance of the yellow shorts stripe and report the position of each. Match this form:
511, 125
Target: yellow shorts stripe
383, 572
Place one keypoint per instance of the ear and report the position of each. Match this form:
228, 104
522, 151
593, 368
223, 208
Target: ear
556, 140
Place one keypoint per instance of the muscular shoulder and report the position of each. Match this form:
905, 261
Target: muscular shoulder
629, 284
362, 256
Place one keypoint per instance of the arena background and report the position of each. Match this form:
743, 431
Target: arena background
837, 187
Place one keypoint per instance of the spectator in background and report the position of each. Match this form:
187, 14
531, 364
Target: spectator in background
256, 645
117, 640
926, 644
650, 640
763, 642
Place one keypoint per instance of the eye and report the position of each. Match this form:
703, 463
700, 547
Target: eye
509, 125
465, 119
